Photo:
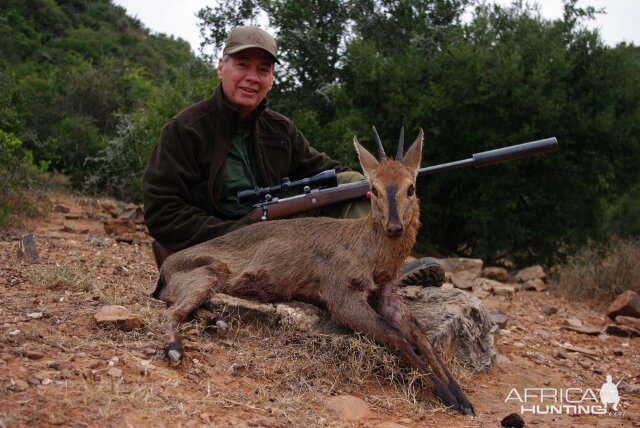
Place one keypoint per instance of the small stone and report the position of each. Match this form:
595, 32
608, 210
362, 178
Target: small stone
573, 322
27, 248
535, 284
460, 264
627, 304
496, 273
513, 420
590, 330
14, 332
34, 315
628, 321
149, 351
59, 208
507, 291
502, 359
499, 318
542, 332
532, 272
561, 355
114, 372
119, 316
18, 385
347, 407
464, 280
45, 374
519, 344
33, 355
549, 310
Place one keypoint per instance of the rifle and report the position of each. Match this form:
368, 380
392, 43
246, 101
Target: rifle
322, 189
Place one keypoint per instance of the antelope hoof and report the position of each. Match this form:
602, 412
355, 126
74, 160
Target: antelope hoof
220, 324
174, 353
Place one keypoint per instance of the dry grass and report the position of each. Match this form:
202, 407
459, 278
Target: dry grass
602, 270
59, 277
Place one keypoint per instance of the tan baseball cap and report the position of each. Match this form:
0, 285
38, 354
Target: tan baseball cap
247, 36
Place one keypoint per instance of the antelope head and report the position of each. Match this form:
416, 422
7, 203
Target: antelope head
394, 203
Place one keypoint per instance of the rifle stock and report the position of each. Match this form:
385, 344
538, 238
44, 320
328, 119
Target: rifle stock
279, 208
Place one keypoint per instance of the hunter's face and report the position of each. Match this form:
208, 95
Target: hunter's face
246, 77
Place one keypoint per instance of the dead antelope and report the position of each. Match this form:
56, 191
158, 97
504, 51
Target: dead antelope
348, 266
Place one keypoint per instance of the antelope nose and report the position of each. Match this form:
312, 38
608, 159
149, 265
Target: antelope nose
394, 230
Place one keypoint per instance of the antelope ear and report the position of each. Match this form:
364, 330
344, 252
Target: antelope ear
367, 161
414, 155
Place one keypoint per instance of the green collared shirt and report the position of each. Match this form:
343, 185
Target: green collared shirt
240, 172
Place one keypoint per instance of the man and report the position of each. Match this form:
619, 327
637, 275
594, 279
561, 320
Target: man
232, 141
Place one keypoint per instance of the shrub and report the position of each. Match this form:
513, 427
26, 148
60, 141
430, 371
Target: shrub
602, 269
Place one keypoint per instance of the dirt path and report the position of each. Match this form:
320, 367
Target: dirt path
57, 367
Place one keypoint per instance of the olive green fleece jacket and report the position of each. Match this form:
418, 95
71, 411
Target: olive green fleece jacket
183, 180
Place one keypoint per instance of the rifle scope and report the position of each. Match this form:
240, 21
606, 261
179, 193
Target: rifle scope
326, 178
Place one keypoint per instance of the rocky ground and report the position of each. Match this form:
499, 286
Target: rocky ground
60, 366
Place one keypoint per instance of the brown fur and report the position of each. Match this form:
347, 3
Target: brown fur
349, 267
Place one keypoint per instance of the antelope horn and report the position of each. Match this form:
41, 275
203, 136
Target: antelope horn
400, 152
381, 153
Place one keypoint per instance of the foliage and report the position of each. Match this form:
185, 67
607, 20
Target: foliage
601, 269
506, 76
70, 70
86, 90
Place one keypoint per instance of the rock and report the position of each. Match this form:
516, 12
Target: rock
464, 279
536, 284
45, 374
573, 322
119, 227
454, 321
631, 389
499, 318
497, 274
580, 350
627, 304
487, 284
18, 385
459, 324
513, 420
591, 330
542, 332
305, 317
549, 310
134, 213
628, 321
391, 425
447, 286
532, 272
621, 330
502, 359
33, 355
119, 316
480, 293
347, 407
507, 291
27, 248
412, 292
459, 264
59, 208
114, 372
34, 315
243, 309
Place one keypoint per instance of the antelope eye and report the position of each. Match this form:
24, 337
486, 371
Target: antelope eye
374, 191
411, 190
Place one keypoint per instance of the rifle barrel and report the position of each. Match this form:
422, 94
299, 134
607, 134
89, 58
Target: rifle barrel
492, 157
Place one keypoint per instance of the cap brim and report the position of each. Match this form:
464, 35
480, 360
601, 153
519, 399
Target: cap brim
244, 47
